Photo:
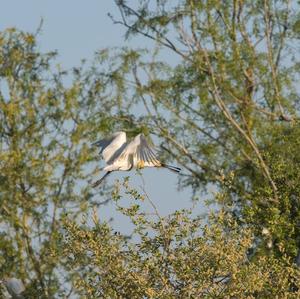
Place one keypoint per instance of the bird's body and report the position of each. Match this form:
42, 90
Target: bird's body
121, 155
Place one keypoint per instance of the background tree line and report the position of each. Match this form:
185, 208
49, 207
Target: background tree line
227, 112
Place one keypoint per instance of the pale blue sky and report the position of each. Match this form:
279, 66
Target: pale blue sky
76, 29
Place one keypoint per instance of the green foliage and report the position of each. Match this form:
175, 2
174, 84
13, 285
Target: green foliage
45, 133
177, 256
226, 108
229, 105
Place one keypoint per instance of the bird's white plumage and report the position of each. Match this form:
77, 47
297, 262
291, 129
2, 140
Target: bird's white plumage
136, 154
122, 155
144, 155
109, 146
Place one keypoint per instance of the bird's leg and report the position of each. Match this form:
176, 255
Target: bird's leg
172, 168
97, 183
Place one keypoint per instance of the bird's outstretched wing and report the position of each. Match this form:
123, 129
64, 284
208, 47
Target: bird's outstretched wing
137, 153
109, 146
144, 155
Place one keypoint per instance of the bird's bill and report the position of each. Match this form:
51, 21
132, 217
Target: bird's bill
170, 167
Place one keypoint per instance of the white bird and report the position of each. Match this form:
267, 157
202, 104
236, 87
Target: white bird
14, 286
122, 155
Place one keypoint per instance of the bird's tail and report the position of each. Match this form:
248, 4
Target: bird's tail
172, 168
97, 183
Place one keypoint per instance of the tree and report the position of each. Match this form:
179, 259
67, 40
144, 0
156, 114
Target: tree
45, 158
178, 256
227, 111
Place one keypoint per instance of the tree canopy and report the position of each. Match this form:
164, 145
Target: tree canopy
225, 108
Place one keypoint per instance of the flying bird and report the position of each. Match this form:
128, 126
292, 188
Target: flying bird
122, 155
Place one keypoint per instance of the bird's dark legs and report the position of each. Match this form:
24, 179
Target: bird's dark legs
97, 183
172, 168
